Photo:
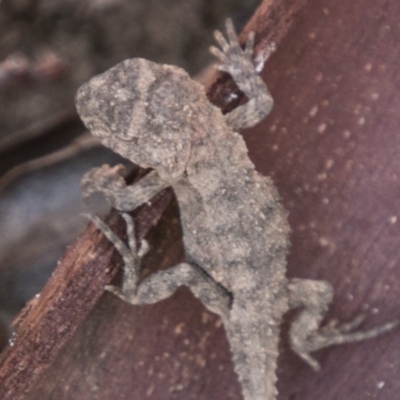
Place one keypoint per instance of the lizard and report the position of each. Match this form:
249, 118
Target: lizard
235, 228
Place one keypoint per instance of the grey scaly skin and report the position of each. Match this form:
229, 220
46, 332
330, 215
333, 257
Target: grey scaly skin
235, 229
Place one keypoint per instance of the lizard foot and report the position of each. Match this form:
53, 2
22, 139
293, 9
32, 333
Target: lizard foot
104, 179
332, 334
234, 59
239, 64
131, 254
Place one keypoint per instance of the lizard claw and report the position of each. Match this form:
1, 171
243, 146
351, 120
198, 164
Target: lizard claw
230, 53
115, 290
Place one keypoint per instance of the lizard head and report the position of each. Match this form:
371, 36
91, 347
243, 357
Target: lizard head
143, 111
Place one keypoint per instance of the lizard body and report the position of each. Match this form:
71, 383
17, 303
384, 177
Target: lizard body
235, 229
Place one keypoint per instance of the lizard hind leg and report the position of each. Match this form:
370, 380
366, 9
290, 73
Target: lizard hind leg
162, 284
306, 335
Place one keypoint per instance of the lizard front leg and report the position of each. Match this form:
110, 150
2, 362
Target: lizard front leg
162, 284
110, 182
306, 335
239, 64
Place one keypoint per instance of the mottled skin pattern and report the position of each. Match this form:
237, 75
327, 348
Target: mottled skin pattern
236, 233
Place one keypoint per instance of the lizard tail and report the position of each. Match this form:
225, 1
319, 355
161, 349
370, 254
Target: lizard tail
255, 353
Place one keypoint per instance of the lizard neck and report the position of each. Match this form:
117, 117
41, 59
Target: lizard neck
219, 160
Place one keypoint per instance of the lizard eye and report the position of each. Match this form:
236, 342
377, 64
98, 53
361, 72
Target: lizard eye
125, 136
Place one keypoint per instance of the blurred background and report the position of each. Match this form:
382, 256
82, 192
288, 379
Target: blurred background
47, 50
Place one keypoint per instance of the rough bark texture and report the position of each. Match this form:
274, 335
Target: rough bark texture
331, 145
